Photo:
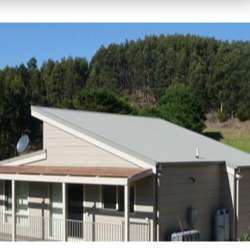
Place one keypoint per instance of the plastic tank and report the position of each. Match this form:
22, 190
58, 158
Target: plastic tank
221, 225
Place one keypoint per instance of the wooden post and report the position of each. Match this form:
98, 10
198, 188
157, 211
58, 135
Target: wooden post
83, 212
126, 210
64, 210
152, 230
13, 191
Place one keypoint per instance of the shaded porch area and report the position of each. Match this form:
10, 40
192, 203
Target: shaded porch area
66, 217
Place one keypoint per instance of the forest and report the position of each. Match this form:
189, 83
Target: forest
178, 78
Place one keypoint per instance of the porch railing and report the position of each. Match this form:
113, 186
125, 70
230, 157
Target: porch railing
37, 228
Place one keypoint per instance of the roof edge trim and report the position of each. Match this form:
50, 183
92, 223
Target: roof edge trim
196, 163
25, 159
65, 179
141, 175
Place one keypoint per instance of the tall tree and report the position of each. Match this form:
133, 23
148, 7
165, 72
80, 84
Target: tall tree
179, 106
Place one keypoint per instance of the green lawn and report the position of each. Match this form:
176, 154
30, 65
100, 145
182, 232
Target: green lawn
234, 137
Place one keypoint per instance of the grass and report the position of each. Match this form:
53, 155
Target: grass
235, 137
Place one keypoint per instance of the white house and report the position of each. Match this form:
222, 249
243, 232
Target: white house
114, 177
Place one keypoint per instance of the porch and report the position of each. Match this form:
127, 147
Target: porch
35, 228
63, 221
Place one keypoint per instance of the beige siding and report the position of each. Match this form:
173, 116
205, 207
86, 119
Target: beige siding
177, 193
143, 203
244, 202
144, 195
64, 149
143, 209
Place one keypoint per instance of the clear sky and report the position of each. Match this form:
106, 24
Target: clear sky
20, 42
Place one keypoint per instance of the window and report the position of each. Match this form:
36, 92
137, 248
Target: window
56, 209
121, 198
7, 195
55, 200
22, 194
113, 198
75, 201
132, 199
109, 197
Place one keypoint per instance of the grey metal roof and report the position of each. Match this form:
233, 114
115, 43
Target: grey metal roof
151, 139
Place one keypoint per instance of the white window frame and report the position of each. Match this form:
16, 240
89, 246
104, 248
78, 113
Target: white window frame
117, 199
27, 212
9, 212
4, 206
28, 200
6, 212
50, 201
4, 198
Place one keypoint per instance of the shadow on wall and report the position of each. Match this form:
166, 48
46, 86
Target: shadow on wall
210, 192
229, 200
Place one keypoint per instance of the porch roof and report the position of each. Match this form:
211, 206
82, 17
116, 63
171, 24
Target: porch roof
119, 172
77, 175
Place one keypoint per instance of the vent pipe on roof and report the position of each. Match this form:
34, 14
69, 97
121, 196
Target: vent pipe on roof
197, 153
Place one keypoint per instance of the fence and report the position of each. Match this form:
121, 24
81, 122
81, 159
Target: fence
36, 228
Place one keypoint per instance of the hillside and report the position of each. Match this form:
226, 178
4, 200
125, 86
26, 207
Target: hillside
178, 78
232, 132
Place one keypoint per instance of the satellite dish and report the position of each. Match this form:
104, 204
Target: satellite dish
23, 144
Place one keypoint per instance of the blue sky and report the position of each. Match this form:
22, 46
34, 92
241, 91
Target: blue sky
20, 42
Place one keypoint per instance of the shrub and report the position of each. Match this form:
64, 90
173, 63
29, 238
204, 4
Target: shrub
245, 236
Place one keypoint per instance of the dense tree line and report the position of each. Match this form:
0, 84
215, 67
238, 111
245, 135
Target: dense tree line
217, 72
54, 84
178, 78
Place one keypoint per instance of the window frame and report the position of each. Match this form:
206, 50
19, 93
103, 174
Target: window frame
27, 211
117, 199
134, 194
6, 210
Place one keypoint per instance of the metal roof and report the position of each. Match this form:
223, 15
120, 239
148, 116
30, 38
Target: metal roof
151, 139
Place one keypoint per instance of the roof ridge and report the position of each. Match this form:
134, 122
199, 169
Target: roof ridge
96, 112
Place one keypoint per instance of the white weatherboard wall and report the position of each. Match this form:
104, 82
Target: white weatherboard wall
64, 149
